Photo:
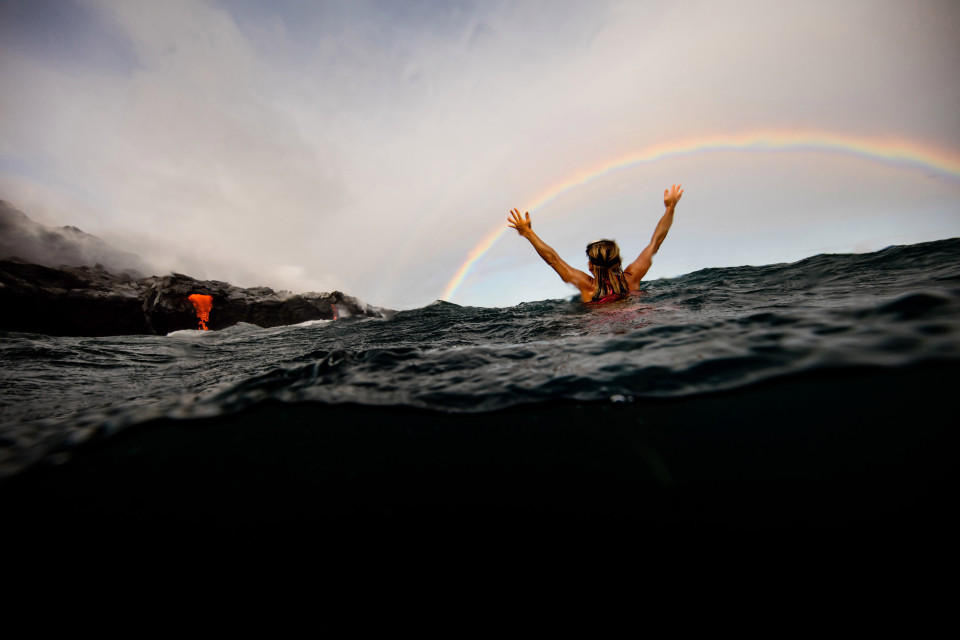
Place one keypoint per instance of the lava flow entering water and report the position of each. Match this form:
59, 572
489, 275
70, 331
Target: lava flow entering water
203, 304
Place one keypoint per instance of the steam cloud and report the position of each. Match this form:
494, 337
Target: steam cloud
367, 146
24, 239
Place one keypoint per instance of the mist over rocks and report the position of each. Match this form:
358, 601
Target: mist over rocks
62, 281
91, 301
30, 241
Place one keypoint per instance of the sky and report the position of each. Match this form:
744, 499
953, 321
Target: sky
372, 146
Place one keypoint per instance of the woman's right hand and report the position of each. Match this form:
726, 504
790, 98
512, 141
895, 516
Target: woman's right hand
523, 226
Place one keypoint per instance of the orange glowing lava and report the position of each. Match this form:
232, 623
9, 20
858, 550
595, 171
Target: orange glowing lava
203, 304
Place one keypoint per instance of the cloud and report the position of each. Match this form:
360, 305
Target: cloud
367, 146
25, 239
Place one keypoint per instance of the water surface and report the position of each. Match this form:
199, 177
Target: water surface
707, 331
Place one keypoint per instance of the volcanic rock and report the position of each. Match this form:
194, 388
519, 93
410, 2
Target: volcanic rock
91, 301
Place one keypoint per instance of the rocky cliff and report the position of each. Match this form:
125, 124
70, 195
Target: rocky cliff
91, 301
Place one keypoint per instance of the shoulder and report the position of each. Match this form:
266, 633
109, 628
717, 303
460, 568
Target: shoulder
635, 275
586, 288
580, 280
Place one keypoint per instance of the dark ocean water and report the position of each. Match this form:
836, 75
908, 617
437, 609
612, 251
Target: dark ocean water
708, 331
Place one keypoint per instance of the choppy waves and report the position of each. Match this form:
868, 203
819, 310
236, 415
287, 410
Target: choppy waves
707, 331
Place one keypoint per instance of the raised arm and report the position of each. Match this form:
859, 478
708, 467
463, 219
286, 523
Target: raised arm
575, 277
639, 267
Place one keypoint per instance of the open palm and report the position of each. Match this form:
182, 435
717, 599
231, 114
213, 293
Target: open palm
518, 222
672, 195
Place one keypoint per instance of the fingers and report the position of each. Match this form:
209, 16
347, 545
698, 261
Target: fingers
673, 193
516, 217
515, 221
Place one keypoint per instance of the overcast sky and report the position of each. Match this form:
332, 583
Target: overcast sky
369, 145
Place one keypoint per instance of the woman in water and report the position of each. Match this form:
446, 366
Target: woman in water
606, 281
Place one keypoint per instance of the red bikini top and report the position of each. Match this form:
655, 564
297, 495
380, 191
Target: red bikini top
611, 297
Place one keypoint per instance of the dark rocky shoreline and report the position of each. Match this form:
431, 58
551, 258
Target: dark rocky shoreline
91, 301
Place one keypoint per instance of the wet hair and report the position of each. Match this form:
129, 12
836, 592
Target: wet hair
608, 275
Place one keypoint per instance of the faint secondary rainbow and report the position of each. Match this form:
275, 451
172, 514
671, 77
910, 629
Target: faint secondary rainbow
895, 151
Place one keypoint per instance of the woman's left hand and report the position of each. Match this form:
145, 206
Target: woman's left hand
523, 226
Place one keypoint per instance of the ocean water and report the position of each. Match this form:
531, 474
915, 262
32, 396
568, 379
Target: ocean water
705, 332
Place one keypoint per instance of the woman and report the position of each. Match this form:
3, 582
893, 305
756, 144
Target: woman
606, 281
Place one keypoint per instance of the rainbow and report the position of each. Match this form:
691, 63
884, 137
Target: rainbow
886, 150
